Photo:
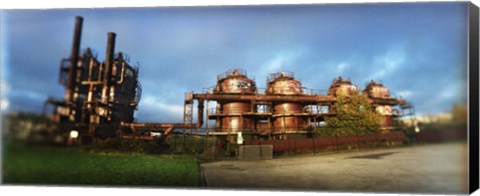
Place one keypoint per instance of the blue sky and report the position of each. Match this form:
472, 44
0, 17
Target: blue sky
418, 50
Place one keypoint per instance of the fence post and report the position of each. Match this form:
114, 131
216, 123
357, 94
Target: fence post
261, 149
313, 143
273, 142
183, 142
203, 142
288, 147
356, 140
214, 145
174, 142
336, 143
294, 145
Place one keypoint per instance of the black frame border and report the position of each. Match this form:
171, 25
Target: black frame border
473, 75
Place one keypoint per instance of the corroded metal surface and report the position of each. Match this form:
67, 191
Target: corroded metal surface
287, 108
377, 90
309, 99
72, 72
235, 81
233, 120
236, 107
284, 120
107, 93
341, 86
283, 83
96, 93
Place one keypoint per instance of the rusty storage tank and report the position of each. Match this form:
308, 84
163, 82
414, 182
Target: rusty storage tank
230, 112
376, 90
285, 114
283, 83
341, 86
387, 115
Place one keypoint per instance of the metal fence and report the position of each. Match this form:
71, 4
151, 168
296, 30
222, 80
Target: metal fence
225, 147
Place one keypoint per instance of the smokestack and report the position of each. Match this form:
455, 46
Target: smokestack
107, 75
72, 72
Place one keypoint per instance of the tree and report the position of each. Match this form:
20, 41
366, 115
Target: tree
353, 116
459, 114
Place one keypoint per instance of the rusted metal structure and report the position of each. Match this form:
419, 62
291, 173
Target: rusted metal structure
286, 115
240, 108
229, 114
285, 107
383, 103
101, 98
341, 86
98, 95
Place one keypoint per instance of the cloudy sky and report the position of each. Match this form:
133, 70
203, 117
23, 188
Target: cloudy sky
418, 50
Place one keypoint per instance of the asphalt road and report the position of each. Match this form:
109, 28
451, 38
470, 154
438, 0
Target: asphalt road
438, 168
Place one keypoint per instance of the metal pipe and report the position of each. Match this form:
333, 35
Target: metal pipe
197, 125
200, 114
121, 75
267, 98
90, 90
306, 99
100, 70
208, 114
72, 72
107, 75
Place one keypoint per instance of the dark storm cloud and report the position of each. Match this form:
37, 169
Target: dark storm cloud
417, 50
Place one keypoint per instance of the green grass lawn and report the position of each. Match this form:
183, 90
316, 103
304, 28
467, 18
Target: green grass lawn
73, 166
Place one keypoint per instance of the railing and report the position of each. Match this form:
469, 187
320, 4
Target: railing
274, 76
341, 79
231, 73
188, 97
278, 90
285, 90
208, 90
308, 91
317, 109
310, 109
212, 111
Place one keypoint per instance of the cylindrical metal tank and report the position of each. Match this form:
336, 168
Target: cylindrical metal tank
283, 83
286, 118
386, 112
285, 114
341, 86
233, 121
377, 90
234, 82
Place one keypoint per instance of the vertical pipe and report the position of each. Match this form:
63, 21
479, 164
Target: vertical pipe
90, 90
72, 72
108, 67
208, 115
200, 113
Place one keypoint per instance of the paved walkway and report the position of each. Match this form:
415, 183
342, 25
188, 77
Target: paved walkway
438, 168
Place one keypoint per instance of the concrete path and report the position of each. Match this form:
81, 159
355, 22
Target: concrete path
438, 168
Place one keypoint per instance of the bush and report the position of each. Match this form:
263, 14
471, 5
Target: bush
117, 144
